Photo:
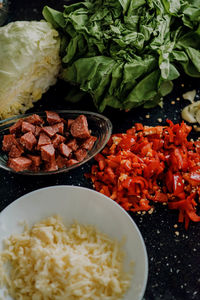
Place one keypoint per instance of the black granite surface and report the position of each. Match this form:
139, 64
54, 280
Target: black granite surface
173, 252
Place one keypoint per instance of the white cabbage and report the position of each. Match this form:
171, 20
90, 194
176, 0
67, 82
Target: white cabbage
29, 64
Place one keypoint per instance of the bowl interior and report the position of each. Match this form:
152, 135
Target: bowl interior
87, 207
99, 125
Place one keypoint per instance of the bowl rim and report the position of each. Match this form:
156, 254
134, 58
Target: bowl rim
112, 202
65, 169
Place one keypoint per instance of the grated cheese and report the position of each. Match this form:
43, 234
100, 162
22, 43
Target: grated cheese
51, 261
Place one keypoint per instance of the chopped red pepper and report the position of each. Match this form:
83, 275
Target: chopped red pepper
148, 165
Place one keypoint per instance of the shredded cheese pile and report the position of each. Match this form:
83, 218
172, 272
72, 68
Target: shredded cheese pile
51, 261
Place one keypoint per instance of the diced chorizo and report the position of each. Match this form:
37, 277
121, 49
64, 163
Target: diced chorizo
61, 161
59, 127
34, 119
57, 140
26, 127
49, 130
52, 130
89, 142
48, 153
15, 151
36, 159
73, 144
19, 163
43, 140
52, 117
15, 128
64, 149
28, 140
80, 154
79, 128
37, 130
71, 162
8, 141
51, 166
36, 162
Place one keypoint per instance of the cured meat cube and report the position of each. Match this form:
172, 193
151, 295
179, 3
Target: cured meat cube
15, 128
49, 130
59, 127
36, 161
52, 130
51, 166
48, 153
73, 144
26, 127
34, 119
65, 150
15, 151
28, 140
61, 161
43, 140
57, 140
80, 154
89, 142
52, 117
79, 128
71, 162
37, 130
19, 163
8, 141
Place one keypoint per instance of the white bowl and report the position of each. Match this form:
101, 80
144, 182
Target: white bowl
87, 207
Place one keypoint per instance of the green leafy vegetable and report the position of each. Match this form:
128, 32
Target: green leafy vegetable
126, 53
29, 64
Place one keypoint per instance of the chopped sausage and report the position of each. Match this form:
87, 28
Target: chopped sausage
73, 144
37, 130
61, 161
79, 128
34, 119
52, 130
80, 154
26, 127
49, 130
47, 148
59, 127
57, 140
15, 128
19, 163
52, 117
36, 161
71, 162
64, 149
51, 166
43, 140
8, 141
89, 142
28, 140
48, 153
15, 151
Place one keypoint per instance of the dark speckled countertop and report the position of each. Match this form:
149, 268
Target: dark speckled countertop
174, 254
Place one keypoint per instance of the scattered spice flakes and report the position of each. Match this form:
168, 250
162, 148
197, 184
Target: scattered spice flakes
173, 102
178, 99
177, 233
147, 116
159, 120
182, 85
175, 225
